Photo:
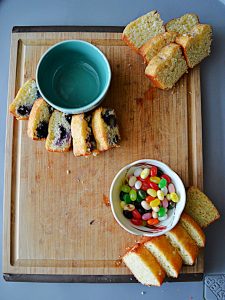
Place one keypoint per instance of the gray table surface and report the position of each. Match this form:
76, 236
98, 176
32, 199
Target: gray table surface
120, 12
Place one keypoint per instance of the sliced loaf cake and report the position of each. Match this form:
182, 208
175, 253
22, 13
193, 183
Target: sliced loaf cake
183, 24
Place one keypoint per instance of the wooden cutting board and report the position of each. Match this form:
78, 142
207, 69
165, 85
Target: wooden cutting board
57, 220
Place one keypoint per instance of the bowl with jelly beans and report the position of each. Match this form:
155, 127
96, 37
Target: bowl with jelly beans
147, 197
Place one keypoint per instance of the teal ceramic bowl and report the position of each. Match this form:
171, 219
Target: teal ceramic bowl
73, 76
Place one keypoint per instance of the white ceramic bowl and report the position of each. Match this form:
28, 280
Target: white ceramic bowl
173, 214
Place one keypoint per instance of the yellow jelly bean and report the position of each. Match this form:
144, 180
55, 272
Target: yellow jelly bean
155, 202
122, 204
145, 173
155, 179
160, 195
168, 197
152, 192
174, 197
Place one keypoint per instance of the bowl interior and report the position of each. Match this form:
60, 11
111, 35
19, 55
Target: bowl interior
173, 215
73, 74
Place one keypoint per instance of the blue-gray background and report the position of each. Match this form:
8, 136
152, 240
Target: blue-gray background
120, 12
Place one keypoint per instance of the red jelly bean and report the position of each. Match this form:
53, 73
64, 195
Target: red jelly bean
168, 179
149, 199
136, 222
145, 186
153, 171
154, 186
136, 215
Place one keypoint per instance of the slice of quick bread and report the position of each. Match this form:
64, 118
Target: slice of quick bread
83, 139
144, 266
59, 133
166, 68
105, 128
196, 44
39, 119
183, 24
185, 245
142, 29
167, 256
193, 229
155, 44
200, 207
22, 104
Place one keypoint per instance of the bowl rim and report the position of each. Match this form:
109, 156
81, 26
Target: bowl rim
150, 161
97, 100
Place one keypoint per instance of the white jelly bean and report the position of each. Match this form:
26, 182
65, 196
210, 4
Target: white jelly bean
129, 207
146, 216
145, 173
132, 180
154, 215
155, 209
163, 218
138, 184
145, 205
164, 190
137, 172
171, 188
160, 195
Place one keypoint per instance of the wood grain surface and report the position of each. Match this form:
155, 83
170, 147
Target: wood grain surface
56, 219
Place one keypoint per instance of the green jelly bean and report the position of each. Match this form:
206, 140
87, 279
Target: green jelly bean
142, 194
125, 188
133, 195
127, 199
162, 183
139, 199
121, 195
161, 212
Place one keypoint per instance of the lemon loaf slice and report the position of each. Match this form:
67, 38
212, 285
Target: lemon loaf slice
167, 256
166, 68
183, 24
185, 245
83, 139
39, 119
196, 45
22, 104
144, 266
59, 133
105, 128
139, 31
200, 207
155, 44
193, 229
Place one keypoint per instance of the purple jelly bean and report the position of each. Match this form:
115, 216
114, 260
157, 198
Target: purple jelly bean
171, 188
146, 216
165, 203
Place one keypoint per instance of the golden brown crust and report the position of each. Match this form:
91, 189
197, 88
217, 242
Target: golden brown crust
32, 118
57, 150
128, 42
17, 117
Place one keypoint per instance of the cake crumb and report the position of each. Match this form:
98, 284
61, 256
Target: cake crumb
143, 292
118, 262
106, 200
68, 172
92, 221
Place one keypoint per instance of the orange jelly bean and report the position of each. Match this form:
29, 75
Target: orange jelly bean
153, 221
149, 199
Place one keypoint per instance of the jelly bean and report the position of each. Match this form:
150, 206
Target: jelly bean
136, 214
138, 184
162, 183
132, 181
153, 171
159, 173
154, 215
153, 221
125, 188
139, 199
145, 186
171, 205
126, 199
122, 204
155, 209
168, 179
155, 202
174, 197
129, 207
152, 192
165, 203
141, 210
136, 222
168, 197
149, 199
146, 216
142, 194
171, 188
154, 186
163, 218
145, 173
127, 214
137, 172
133, 195
145, 205
161, 212
160, 195
121, 195
155, 179
164, 190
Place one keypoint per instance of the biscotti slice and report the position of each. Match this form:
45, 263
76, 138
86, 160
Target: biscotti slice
22, 104
185, 245
155, 44
144, 266
200, 207
59, 133
193, 229
167, 256
166, 68
183, 24
39, 119
83, 139
196, 45
105, 128
142, 29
